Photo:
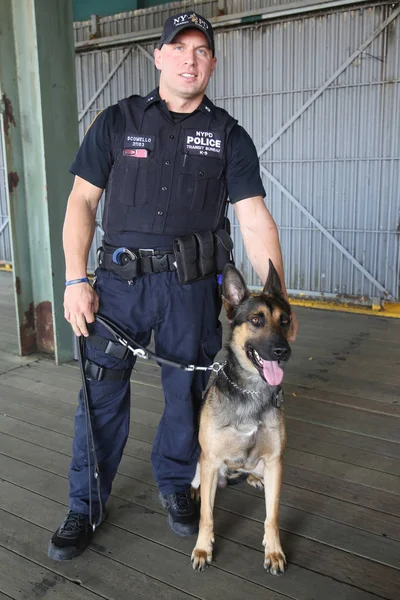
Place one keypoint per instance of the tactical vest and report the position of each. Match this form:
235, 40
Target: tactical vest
167, 178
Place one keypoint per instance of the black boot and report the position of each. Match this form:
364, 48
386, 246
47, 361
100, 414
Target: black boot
183, 512
72, 537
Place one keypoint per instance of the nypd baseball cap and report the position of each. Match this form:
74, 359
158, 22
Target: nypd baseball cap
189, 20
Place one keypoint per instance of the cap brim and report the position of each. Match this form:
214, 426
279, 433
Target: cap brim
172, 36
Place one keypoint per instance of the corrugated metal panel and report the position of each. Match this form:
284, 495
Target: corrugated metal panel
5, 244
340, 159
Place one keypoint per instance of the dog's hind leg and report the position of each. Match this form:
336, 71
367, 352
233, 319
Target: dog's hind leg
275, 560
255, 477
202, 553
255, 481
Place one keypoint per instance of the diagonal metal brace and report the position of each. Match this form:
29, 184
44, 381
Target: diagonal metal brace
105, 82
331, 79
326, 233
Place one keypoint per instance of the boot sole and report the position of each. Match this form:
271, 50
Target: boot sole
61, 553
183, 530
66, 553
180, 529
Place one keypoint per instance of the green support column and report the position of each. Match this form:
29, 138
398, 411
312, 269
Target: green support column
39, 105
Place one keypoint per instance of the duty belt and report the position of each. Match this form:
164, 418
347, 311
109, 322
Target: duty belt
128, 264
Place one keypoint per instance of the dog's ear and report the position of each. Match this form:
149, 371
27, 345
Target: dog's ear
234, 289
273, 284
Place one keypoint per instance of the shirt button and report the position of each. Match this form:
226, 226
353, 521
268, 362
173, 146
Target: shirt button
167, 162
171, 137
164, 188
201, 173
160, 213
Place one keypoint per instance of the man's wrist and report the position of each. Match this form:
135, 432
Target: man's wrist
76, 281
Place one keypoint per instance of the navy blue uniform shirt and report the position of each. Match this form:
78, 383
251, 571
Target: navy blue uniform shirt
93, 162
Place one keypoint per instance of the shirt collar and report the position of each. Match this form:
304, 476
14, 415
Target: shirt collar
206, 106
152, 98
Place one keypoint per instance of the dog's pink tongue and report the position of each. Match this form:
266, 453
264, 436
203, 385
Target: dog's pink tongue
272, 372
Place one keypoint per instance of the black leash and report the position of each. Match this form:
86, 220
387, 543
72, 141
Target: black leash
89, 439
137, 350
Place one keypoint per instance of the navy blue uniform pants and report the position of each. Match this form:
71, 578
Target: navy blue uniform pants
184, 319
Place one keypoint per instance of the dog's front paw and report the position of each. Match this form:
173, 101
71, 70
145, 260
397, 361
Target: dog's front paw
275, 562
201, 559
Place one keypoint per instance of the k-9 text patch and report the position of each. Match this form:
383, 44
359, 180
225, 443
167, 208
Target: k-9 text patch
204, 143
135, 140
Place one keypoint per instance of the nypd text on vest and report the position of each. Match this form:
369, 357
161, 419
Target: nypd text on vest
203, 142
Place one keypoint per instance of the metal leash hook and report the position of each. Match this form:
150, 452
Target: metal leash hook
135, 351
217, 367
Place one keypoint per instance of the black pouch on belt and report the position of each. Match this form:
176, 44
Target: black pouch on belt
185, 251
223, 245
205, 260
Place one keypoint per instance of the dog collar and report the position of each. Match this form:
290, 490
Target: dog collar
277, 397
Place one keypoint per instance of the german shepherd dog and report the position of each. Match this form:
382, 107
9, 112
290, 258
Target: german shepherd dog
242, 426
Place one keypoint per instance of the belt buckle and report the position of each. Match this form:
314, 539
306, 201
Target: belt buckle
151, 250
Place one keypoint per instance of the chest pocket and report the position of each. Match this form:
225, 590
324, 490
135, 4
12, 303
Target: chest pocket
137, 178
200, 180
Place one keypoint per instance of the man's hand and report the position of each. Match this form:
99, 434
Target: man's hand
80, 305
294, 327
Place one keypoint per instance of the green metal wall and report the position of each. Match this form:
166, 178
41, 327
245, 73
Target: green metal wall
83, 9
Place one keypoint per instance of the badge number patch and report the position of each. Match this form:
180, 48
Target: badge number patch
204, 143
135, 140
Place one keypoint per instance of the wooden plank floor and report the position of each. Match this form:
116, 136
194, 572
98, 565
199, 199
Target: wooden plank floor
340, 506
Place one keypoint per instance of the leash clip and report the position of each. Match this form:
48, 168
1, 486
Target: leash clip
138, 352
135, 351
217, 367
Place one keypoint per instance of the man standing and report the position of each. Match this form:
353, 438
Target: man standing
168, 163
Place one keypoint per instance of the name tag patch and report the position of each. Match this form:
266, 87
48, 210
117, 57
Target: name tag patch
139, 141
204, 143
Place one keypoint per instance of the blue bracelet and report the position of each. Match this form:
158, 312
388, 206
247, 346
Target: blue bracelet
73, 281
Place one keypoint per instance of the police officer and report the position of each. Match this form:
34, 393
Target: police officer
167, 163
